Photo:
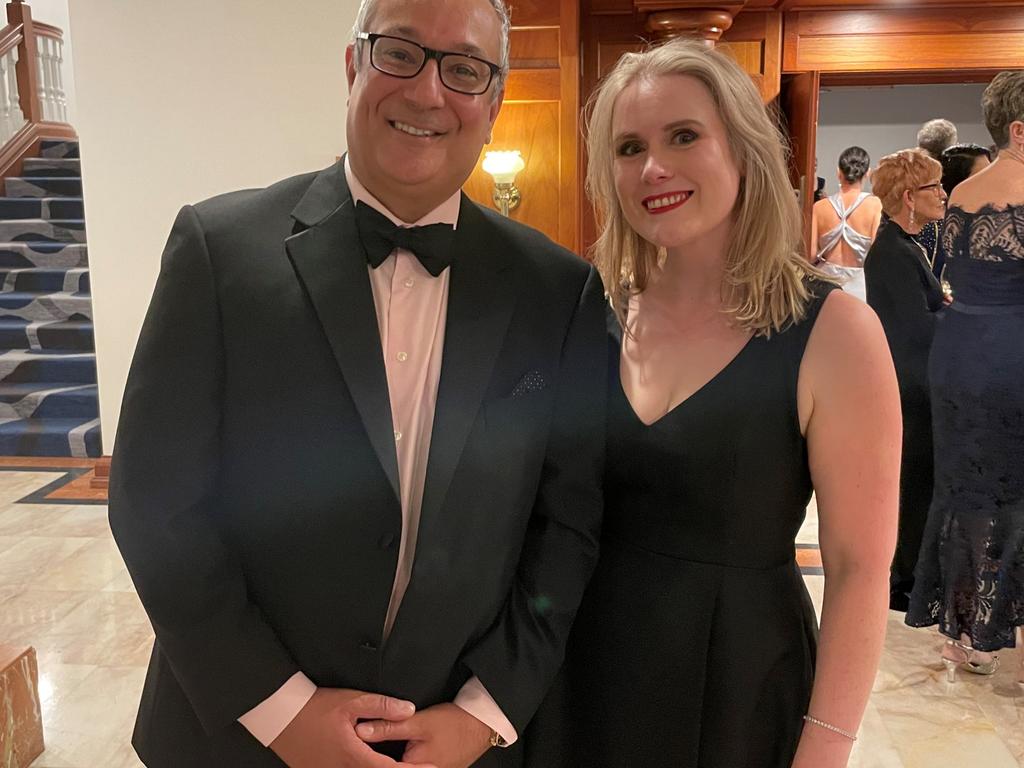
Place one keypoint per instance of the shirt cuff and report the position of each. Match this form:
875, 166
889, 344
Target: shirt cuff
266, 720
474, 699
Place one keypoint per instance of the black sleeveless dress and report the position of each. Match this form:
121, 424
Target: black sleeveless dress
970, 574
695, 643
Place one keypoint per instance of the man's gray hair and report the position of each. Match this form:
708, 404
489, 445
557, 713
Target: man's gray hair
367, 9
935, 136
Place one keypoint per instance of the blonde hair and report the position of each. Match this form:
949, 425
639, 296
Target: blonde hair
763, 288
905, 170
1003, 104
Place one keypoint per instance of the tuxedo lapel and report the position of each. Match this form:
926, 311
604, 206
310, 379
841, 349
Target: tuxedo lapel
481, 299
330, 261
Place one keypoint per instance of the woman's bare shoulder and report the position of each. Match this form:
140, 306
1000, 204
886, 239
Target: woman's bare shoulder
997, 186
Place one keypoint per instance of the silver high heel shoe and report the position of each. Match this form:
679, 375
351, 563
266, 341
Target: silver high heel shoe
966, 659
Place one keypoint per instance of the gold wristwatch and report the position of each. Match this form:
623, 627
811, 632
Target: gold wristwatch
497, 740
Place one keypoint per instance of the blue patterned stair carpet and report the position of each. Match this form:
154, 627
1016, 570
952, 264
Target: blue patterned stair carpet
48, 400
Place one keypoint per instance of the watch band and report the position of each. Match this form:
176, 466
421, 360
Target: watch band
497, 740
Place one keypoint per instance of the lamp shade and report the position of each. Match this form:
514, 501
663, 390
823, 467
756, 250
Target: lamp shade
503, 166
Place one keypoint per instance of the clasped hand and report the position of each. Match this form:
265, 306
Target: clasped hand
327, 733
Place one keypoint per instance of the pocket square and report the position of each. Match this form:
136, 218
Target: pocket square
531, 382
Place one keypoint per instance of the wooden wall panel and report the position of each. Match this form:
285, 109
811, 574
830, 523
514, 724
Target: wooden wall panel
533, 85
533, 128
902, 40
609, 53
799, 99
748, 54
534, 48
540, 119
570, 151
755, 38
535, 13
926, 5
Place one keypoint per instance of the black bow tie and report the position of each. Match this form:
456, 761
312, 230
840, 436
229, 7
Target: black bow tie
431, 244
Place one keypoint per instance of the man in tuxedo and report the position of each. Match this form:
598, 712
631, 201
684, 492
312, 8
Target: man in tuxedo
357, 472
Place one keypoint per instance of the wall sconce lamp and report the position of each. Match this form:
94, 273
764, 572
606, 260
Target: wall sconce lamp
504, 166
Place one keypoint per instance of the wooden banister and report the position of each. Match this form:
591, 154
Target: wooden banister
48, 30
30, 56
10, 37
28, 80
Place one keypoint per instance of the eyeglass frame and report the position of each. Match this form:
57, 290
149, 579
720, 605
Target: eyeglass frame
933, 187
429, 54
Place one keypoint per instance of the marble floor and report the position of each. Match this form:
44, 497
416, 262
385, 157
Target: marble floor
64, 590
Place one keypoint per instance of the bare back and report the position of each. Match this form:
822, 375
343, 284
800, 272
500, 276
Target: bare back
864, 220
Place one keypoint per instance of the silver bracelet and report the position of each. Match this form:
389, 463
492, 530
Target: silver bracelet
830, 727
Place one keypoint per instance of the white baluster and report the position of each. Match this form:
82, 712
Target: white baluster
51, 97
5, 105
10, 98
59, 92
17, 117
42, 76
12, 87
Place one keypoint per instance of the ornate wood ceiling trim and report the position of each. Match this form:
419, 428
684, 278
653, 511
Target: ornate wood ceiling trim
704, 19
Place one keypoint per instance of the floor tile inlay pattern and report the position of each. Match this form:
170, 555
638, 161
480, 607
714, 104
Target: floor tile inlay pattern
65, 591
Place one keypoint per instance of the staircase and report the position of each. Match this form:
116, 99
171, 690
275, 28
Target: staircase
48, 398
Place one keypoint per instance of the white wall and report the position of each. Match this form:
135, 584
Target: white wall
885, 119
55, 12
180, 101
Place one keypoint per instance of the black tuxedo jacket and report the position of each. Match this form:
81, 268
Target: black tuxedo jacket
254, 487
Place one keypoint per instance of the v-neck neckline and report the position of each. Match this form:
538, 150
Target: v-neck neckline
702, 388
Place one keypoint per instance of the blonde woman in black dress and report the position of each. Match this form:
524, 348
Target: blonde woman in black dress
739, 382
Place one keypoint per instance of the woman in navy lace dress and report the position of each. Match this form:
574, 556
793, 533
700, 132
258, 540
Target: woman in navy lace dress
970, 574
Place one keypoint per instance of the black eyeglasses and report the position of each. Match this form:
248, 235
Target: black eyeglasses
935, 187
403, 58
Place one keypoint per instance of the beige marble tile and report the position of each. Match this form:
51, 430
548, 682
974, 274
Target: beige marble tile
874, 747
57, 680
107, 628
29, 616
34, 556
808, 533
816, 589
956, 747
64, 589
78, 733
89, 521
7, 542
80, 736
15, 485
25, 519
90, 567
122, 582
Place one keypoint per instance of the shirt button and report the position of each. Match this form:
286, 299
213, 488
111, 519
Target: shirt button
398, 435
403, 356
409, 282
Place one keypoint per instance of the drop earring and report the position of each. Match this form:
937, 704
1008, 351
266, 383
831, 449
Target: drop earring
913, 218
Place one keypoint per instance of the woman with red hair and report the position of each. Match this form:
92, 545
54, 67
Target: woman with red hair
906, 295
